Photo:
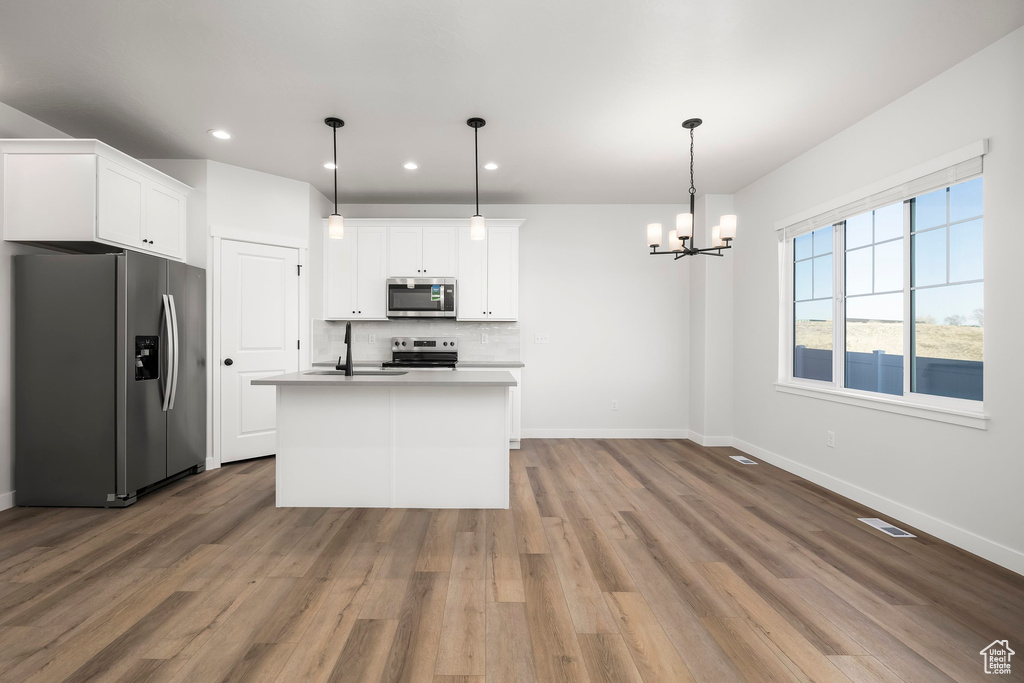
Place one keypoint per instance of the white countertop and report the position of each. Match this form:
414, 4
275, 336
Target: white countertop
462, 364
412, 378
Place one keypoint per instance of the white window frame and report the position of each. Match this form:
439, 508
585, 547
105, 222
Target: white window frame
957, 411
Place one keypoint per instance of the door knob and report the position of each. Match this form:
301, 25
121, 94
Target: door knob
228, 361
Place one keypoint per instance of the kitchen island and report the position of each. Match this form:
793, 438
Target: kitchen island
415, 439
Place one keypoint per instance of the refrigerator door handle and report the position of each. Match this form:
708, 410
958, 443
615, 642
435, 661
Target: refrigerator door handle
168, 352
175, 351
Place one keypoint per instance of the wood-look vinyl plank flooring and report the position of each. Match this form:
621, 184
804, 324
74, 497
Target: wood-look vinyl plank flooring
619, 560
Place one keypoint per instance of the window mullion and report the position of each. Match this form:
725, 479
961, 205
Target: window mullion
839, 305
908, 312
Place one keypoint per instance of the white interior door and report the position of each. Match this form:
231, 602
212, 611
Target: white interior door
259, 333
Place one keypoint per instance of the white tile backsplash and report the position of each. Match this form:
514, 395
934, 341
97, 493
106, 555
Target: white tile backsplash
503, 338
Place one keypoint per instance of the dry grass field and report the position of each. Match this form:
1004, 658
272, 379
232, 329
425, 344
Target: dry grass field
933, 341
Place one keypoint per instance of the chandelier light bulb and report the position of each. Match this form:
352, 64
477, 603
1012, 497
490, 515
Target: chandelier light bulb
654, 234
716, 237
728, 223
684, 225
674, 243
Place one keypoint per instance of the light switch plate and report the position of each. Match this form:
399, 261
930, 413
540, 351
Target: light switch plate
542, 338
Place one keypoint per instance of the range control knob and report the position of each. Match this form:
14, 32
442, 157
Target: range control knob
397, 343
403, 343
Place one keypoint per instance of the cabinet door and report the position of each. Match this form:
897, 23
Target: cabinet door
472, 284
405, 253
440, 247
165, 220
515, 420
340, 276
371, 273
502, 273
120, 204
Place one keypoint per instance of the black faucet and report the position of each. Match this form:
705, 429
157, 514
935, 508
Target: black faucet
347, 367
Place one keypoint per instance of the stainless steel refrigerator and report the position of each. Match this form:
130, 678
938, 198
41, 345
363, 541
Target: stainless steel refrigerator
109, 376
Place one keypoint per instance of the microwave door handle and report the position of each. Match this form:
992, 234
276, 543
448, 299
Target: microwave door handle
168, 368
176, 352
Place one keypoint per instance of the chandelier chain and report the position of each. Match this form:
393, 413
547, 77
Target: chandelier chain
693, 190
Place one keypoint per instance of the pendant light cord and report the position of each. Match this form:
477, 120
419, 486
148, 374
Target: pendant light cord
476, 162
336, 169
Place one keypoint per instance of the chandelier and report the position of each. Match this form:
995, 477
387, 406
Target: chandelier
722, 234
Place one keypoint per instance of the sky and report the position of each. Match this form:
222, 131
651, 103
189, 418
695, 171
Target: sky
946, 240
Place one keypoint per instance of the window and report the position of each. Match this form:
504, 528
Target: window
947, 292
874, 300
908, 315
812, 305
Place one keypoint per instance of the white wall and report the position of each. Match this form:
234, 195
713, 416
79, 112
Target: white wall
962, 484
258, 204
13, 124
710, 289
617, 317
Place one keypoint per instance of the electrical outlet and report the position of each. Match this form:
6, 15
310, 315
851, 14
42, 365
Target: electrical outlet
615, 404
830, 439
542, 338
372, 339
483, 338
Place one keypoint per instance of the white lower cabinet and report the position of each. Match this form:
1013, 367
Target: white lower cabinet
515, 404
355, 274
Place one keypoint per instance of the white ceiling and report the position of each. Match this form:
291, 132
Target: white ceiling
583, 98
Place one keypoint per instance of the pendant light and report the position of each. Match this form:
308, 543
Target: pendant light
335, 224
476, 223
722, 234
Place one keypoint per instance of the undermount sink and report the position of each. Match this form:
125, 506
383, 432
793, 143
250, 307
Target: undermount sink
389, 373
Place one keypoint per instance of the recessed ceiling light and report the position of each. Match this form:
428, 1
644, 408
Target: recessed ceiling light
220, 134
410, 165
491, 166
329, 166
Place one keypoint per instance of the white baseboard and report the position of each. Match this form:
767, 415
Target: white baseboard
212, 464
969, 541
711, 441
605, 433
6, 500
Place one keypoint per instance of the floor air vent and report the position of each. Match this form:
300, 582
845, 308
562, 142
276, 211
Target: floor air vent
885, 527
742, 459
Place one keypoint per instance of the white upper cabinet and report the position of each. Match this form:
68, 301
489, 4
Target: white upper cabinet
372, 273
357, 267
422, 252
83, 191
489, 274
405, 256
165, 220
440, 252
120, 207
472, 282
355, 274
503, 273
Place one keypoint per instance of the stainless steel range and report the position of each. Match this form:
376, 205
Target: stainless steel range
423, 352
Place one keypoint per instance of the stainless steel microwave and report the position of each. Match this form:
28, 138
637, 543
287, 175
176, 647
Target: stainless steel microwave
421, 297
